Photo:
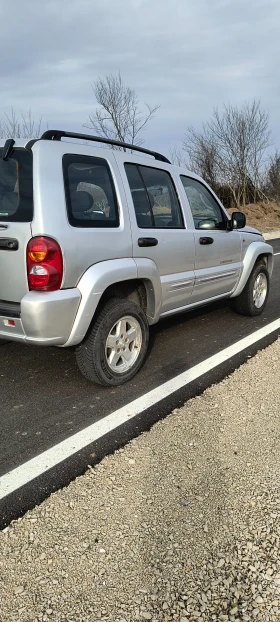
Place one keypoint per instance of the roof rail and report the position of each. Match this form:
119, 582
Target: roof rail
58, 134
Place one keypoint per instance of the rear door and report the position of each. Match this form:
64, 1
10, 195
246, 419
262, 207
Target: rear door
217, 250
159, 230
16, 213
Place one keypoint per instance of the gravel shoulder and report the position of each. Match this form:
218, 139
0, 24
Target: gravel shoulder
180, 525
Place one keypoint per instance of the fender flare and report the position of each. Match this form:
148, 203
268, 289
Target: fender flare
148, 273
255, 250
98, 278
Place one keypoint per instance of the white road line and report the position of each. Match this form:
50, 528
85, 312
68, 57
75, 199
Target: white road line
276, 254
43, 462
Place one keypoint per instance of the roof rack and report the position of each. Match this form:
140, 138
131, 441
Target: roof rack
58, 134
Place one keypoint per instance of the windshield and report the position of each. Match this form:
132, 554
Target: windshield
16, 187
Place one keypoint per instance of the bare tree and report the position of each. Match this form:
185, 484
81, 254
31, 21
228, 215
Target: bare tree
177, 157
119, 116
202, 155
24, 125
272, 176
229, 150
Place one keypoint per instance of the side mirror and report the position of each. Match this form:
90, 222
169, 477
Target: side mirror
238, 220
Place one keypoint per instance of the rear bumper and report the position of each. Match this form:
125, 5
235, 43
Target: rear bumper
42, 318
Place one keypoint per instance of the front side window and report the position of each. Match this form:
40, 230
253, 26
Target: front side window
90, 193
16, 187
206, 212
154, 197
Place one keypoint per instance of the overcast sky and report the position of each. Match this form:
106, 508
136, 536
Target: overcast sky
186, 55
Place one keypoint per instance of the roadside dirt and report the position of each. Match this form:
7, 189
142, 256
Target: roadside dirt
264, 216
182, 525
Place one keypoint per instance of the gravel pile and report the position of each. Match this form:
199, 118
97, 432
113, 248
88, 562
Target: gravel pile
181, 525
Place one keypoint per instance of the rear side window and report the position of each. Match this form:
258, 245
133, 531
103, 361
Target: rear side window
140, 196
155, 200
90, 193
16, 187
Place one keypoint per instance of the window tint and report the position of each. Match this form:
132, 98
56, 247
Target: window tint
16, 187
90, 193
206, 212
141, 199
154, 197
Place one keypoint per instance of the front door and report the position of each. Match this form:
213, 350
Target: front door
217, 250
159, 232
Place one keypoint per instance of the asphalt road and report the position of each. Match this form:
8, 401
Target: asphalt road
44, 399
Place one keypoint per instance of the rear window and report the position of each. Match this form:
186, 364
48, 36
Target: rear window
90, 193
16, 187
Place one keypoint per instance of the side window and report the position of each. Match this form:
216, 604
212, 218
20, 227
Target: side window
141, 199
16, 187
155, 200
206, 212
90, 194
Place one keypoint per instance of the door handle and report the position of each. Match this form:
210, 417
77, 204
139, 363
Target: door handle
147, 242
206, 240
8, 244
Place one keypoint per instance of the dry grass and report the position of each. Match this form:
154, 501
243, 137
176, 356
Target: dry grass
264, 216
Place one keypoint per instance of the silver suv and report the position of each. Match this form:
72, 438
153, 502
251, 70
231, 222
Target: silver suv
97, 244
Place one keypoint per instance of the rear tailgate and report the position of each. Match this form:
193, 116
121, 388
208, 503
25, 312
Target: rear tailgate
16, 213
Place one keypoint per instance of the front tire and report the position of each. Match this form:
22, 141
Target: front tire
116, 345
253, 298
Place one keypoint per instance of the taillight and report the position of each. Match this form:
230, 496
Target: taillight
44, 264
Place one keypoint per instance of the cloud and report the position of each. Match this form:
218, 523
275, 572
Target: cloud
186, 56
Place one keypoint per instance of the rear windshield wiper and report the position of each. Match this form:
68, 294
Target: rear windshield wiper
7, 149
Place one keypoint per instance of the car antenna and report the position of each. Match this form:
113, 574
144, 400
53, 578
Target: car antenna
8, 148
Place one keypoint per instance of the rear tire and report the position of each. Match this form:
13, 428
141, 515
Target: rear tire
115, 347
253, 298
